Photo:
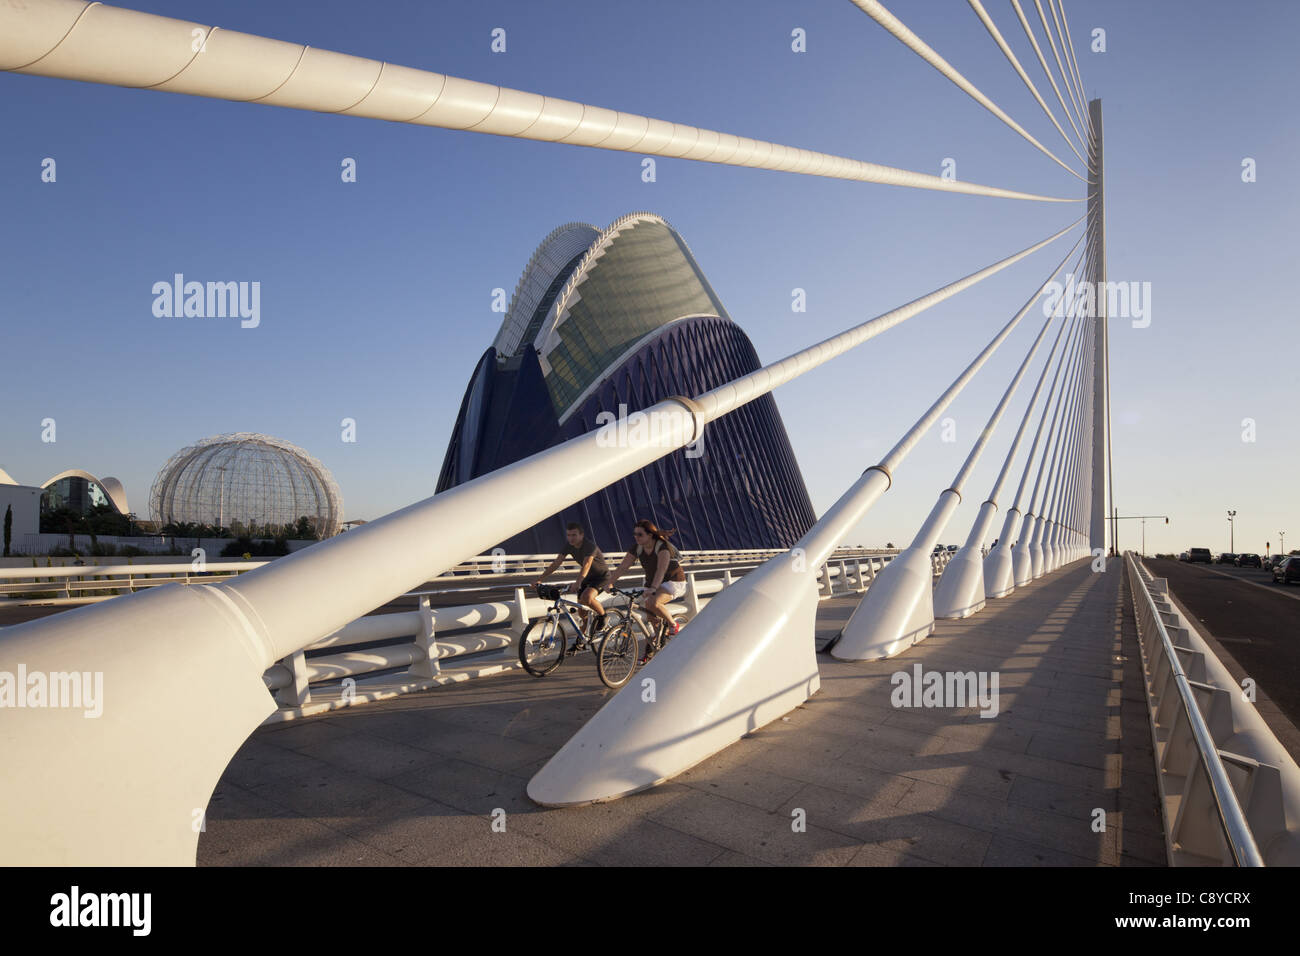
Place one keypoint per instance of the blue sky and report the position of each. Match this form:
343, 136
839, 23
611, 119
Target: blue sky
376, 295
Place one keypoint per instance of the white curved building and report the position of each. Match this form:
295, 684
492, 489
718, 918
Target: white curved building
81, 491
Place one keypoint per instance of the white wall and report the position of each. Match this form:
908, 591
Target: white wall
26, 503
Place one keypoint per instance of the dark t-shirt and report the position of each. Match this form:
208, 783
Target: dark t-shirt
650, 564
583, 551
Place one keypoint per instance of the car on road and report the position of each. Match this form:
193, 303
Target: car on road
1274, 561
1288, 571
1199, 554
1183, 556
1227, 558
1249, 561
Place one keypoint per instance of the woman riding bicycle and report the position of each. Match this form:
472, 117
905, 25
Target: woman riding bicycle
664, 578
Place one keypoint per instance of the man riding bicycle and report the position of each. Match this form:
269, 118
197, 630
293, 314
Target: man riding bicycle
594, 573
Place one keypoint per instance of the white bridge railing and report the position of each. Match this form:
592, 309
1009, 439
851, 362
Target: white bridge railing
1230, 793
88, 583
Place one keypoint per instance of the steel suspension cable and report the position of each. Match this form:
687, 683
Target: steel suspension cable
1061, 70
1033, 402
724, 398
996, 34
822, 538
1068, 44
877, 12
1052, 473
1063, 373
978, 449
1084, 141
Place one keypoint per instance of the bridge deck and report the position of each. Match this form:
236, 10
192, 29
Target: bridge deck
416, 780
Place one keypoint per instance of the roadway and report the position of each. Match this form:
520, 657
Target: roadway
1257, 626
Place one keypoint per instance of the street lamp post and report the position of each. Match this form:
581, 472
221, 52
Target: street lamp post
1117, 518
1232, 549
1281, 548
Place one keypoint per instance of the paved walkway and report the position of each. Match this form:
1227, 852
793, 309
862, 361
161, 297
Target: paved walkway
417, 780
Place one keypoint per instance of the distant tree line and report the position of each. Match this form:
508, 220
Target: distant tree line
304, 529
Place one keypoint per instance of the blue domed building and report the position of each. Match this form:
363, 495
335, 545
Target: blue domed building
625, 317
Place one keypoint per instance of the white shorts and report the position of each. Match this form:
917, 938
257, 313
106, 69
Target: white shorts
674, 589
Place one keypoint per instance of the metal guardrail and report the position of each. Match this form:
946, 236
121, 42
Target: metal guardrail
1205, 820
87, 583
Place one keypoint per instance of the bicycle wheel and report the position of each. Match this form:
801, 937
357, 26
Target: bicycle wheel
614, 618
541, 646
617, 659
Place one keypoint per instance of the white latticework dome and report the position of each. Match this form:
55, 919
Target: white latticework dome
256, 481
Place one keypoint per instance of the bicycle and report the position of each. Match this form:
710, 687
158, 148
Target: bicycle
617, 659
543, 646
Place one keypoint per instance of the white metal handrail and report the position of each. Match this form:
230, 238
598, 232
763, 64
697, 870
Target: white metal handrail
486, 571
1236, 831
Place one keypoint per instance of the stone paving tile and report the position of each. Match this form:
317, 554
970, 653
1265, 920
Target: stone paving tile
750, 785
1078, 750
1006, 850
249, 830
989, 733
618, 834
891, 825
296, 734
1140, 847
433, 833
485, 748
337, 792
368, 755
258, 764
878, 854
855, 779
732, 858
767, 836
947, 770
466, 786
717, 820
412, 728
